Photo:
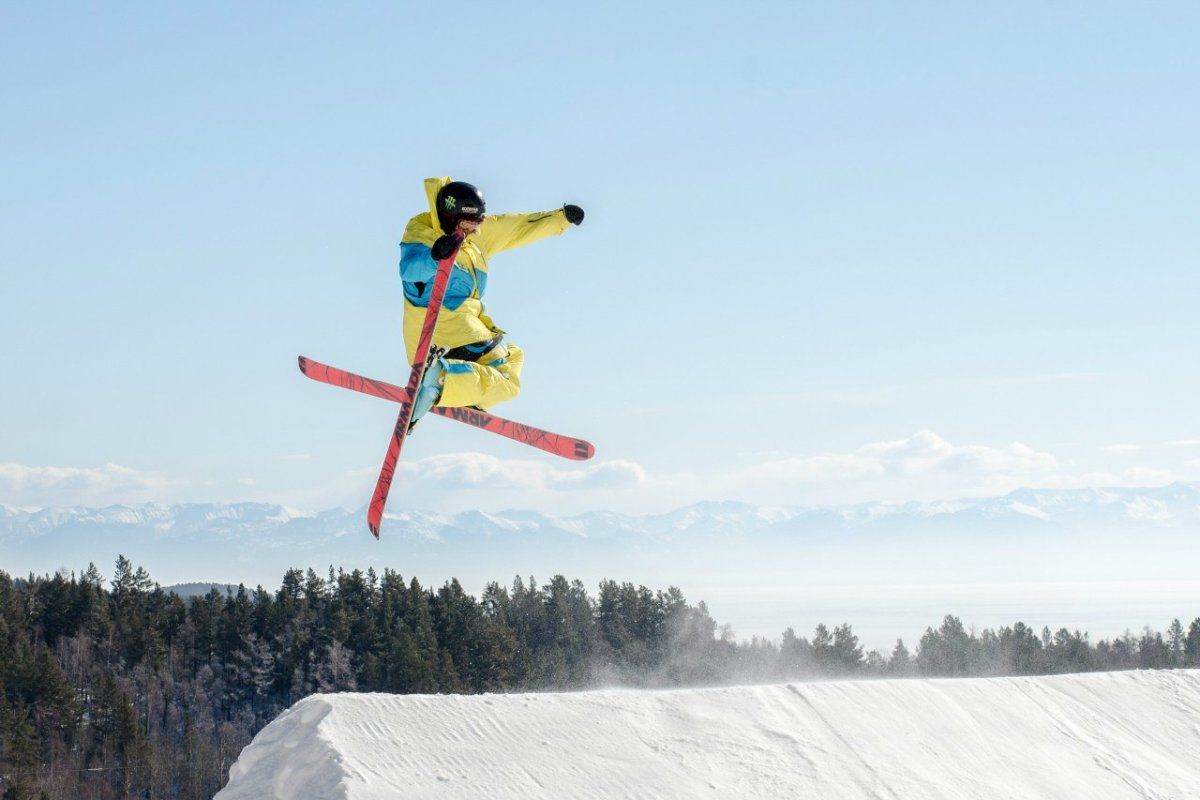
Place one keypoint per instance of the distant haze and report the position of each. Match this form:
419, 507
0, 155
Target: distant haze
1101, 561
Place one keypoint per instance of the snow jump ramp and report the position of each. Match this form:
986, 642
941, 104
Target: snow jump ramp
1100, 735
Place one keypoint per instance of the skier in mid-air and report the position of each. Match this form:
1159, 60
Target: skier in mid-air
478, 368
459, 357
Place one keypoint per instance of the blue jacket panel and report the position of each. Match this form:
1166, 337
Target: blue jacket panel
417, 269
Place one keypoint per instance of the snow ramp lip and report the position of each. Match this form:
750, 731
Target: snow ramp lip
1110, 735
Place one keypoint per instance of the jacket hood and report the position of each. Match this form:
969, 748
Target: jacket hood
432, 187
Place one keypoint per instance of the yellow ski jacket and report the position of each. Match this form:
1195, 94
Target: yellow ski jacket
463, 319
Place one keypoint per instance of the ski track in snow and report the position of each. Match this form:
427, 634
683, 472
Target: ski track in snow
1101, 735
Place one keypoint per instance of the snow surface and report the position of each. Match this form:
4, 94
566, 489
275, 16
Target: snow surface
1105, 735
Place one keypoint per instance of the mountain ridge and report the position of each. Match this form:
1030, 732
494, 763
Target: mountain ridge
1177, 502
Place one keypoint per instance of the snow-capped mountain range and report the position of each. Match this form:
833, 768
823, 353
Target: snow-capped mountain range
1106, 558
46, 539
1177, 505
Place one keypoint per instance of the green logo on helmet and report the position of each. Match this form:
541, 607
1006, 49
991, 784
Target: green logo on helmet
449, 203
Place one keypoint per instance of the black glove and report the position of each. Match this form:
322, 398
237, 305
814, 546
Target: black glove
445, 246
574, 214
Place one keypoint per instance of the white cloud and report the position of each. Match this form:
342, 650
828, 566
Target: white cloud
1145, 476
477, 470
923, 466
65, 486
922, 455
926, 452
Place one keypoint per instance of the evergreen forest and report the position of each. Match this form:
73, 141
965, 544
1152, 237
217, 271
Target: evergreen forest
120, 689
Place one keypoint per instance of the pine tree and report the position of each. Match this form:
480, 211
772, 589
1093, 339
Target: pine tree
1175, 642
423, 660
900, 664
52, 696
610, 624
570, 628
847, 654
1022, 650
822, 649
499, 642
1191, 645
946, 651
875, 663
1153, 652
19, 750
1069, 652
457, 622
693, 653
796, 655
1123, 652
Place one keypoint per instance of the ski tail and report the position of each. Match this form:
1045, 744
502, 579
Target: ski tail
559, 445
348, 380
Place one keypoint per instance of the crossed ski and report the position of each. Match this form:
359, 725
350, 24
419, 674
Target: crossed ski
557, 444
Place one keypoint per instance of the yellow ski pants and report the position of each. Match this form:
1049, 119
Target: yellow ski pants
494, 378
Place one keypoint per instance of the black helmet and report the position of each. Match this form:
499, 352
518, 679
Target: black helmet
458, 200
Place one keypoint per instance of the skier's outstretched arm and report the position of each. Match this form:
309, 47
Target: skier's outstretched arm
506, 231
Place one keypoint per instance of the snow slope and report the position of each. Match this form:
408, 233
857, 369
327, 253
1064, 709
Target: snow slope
1109, 735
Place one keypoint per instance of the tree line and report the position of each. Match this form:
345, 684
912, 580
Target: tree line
125, 690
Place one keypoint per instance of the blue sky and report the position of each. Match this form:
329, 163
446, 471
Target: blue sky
832, 253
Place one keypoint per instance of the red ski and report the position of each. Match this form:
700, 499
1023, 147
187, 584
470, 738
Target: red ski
559, 445
423, 353
564, 446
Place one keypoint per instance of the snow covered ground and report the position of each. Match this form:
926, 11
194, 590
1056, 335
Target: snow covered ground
1109, 735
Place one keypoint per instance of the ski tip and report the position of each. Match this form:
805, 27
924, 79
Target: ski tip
303, 364
583, 450
374, 530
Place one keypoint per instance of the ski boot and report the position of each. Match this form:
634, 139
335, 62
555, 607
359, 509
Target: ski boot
430, 390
